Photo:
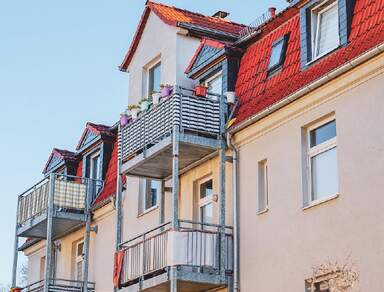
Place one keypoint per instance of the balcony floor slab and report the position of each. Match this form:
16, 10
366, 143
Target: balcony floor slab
156, 162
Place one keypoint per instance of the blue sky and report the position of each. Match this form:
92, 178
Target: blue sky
58, 70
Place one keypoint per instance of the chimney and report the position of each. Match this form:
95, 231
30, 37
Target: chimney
220, 14
272, 11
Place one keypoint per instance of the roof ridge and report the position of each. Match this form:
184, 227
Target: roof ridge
196, 13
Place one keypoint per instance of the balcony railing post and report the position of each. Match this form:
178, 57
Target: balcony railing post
15, 246
48, 247
87, 211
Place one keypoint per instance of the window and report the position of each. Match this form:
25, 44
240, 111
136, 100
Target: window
95, 172
154, 78
206, 201
325, 28
322, 161
149, 194
42, 268
263, 186
215, 83
79, 260
277, 54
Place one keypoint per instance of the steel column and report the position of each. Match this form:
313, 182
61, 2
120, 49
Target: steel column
87, 233
162, 203
48, 243
175, 197
16, 248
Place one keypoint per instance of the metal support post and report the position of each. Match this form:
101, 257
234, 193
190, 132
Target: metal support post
16, 248
88, 218
222, 207
162, 203
49, 243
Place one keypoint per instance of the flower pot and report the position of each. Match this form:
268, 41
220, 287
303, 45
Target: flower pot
134, 113
166, 91
231, 97
124, 119
144, 105
201, 90
156, 97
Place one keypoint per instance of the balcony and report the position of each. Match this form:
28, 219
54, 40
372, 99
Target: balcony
59, 285
71, 196
147, 143
195, 250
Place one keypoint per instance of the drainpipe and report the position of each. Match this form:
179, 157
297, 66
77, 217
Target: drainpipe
236, 221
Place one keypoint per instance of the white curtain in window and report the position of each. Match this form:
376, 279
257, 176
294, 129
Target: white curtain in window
328, 32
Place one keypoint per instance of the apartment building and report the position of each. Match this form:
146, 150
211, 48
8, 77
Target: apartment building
254, 165
68, 217
310, 149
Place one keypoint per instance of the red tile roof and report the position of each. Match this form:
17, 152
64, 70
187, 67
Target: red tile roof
256, 91
173, 16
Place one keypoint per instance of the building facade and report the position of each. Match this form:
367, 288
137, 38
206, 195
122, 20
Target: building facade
254, 162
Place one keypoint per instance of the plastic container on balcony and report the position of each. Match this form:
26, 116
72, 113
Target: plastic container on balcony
166, 90
156, 97
124, 119
134, 110
201, 90
231, 97
144, 104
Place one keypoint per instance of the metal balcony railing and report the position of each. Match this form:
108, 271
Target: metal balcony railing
191, 113
70, 194
59, 285
195, 245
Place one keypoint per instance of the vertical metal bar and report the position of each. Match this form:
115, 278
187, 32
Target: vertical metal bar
175, 197
15, 246
119, 187
162, 204
88, 201
222, 212
48, 244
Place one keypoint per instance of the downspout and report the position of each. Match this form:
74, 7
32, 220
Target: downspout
236, 221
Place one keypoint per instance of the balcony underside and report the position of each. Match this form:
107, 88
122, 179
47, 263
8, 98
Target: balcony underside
63, 222
188, 281
156, 161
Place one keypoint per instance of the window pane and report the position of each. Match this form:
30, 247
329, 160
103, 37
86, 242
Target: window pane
154, 79
215, 85
206, 189
207, 213
263, 185
323, 133
152, 193
328, 37
277, 50
324, 174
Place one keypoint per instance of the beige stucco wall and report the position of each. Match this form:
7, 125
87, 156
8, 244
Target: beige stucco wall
279, 248
101, 253
165, 42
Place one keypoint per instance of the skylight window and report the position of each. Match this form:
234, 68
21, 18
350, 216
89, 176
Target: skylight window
278, 54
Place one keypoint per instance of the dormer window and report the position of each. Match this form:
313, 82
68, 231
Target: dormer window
215, 83
325, 28
277, 54
154, 78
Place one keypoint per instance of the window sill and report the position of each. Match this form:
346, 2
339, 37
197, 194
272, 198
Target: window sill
322, 55
148, 211
320, 201
262, 211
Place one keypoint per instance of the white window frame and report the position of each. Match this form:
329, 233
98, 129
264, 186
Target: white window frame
214, 76
206, 200
148, 69
316, 14
263, 170
79, 259
314, 151
143, 198
91, 162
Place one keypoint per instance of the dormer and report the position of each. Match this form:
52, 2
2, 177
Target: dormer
215, 65
164, 43
61, 161
95, 148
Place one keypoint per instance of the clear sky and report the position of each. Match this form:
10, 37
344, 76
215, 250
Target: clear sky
58, 70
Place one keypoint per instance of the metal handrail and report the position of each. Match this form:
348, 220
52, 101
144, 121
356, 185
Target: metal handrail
73, 284
70, 193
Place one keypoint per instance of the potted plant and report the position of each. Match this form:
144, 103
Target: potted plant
166, 90
156, 97
144, 104
134, 110
124, 118
201, 90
